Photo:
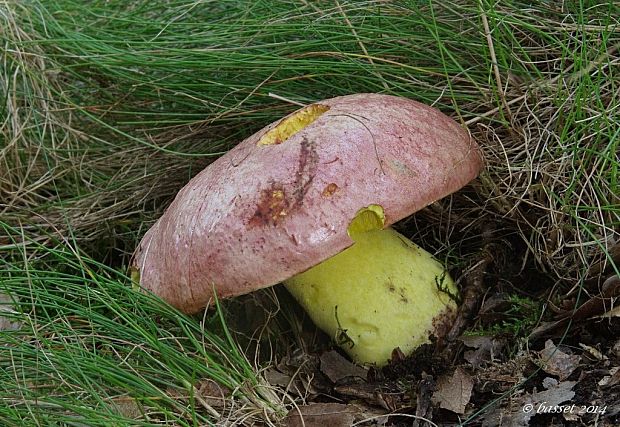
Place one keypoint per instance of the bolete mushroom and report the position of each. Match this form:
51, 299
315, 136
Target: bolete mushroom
308, 201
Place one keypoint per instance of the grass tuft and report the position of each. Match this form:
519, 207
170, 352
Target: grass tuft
107, 110
85, 348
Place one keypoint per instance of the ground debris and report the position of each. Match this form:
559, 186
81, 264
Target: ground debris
485, 349
333, 415
126, 406
299, 375
321, 414
501, 377
555, 362
385, 397
7, 314
615, 349
519, 411
276, 378
595, 307
336, 367
611, 380
592, 352
454, 391
207, 392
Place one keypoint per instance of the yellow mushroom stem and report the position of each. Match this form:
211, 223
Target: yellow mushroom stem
381, 293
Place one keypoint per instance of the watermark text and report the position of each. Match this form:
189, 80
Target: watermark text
547, 408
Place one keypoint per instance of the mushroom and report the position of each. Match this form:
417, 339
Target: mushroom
309, 201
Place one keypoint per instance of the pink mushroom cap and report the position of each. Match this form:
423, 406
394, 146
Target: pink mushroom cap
264, 212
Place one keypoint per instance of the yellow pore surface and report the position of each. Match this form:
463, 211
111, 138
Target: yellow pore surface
289, 126
381, 293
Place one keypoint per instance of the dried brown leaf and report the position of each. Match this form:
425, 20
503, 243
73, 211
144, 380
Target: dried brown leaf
614, 312
321, 415
126, 406
454, 391
275, 377
213, 393
595, 353
485, 349
556, 362
611, 380
336, 367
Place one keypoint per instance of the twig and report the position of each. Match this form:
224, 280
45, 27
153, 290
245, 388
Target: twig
281, 98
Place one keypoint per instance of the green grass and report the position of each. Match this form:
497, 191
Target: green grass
107, 110
91, 350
